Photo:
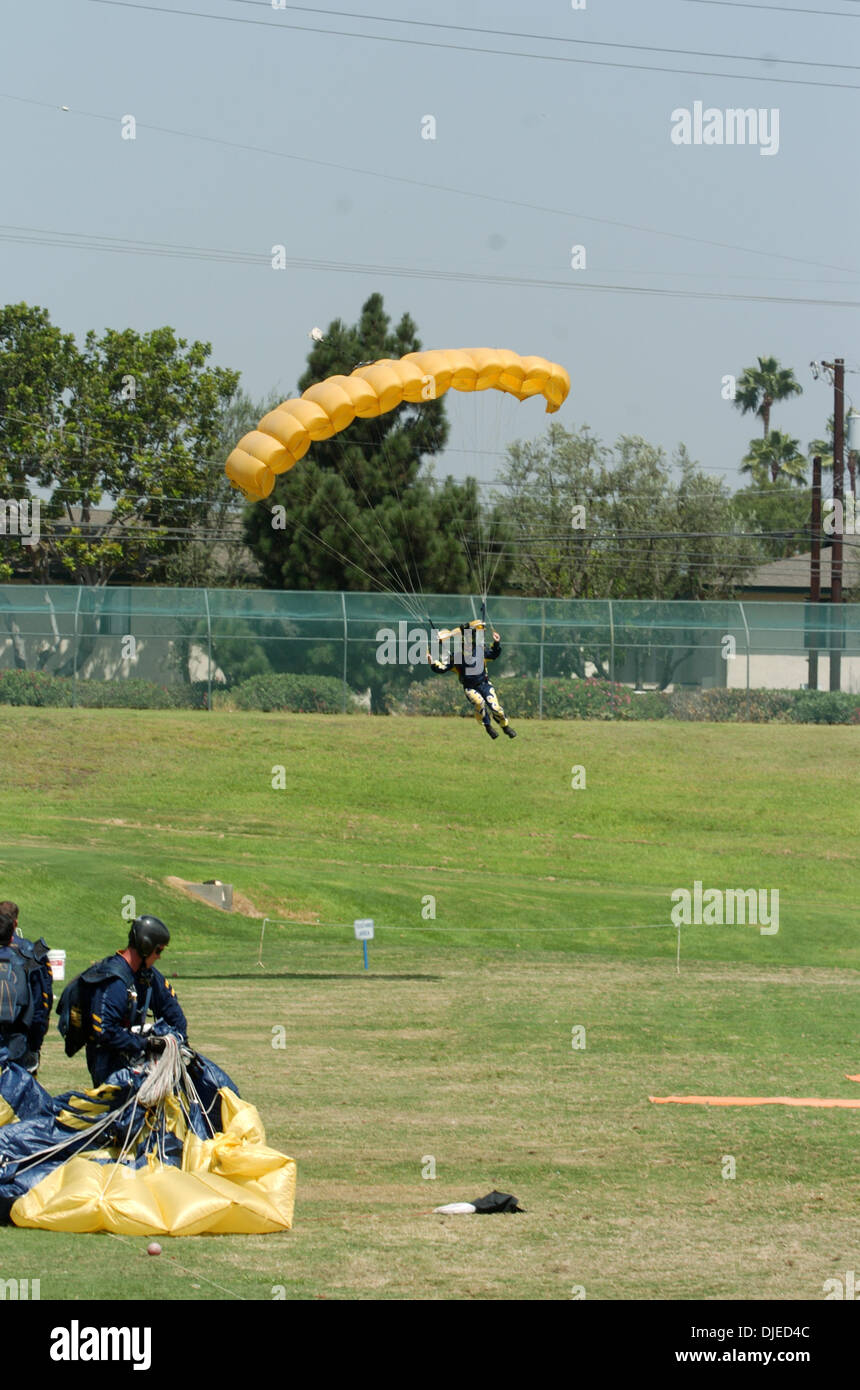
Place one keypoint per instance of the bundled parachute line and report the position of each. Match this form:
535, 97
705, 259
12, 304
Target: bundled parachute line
326, 410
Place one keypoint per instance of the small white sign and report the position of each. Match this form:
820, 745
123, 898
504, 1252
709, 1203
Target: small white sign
364, 929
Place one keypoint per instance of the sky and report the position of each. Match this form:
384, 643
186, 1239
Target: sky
258, 124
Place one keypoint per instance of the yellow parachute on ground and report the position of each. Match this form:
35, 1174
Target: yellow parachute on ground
164, 1148
285, 434
231, 1184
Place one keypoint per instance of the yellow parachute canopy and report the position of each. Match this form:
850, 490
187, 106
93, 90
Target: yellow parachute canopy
231, 1184
285, 434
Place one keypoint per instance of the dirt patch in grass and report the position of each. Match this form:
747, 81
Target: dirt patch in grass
241, 903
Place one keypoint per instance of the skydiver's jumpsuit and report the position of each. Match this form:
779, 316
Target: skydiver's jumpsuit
22, 1041
476, 683
118, 1003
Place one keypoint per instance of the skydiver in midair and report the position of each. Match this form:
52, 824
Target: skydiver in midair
470, 666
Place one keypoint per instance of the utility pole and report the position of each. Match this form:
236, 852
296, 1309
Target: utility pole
839, 510
815, 570
835, 371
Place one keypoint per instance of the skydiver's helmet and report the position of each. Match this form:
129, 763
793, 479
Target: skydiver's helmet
146, 934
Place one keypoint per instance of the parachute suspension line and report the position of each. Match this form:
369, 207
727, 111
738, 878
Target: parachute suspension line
472, 549
412, 580
167, 1075
131, 1133
95, 1131
353, 564
194, 1097
314, 536
190, 1090
397, 588
488, 519
474, 425
163, 1076
413, 573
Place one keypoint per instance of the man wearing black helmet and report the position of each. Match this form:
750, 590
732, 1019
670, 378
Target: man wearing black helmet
125, 988
470, 665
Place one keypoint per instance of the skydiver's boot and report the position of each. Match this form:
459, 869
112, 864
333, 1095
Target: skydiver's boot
488, 723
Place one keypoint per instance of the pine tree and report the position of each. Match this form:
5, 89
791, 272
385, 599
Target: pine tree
361, 511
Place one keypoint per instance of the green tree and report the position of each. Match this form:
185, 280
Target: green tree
777, 456
127, 425
215, 555
118, 437
141, 428
362, 511
760, 387
37, 366
778, 513
592, 522
826, 448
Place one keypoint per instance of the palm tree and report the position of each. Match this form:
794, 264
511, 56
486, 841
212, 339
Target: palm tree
824, 447
778, 455
759, 387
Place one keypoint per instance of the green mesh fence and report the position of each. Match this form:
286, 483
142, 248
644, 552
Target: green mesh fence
217, 638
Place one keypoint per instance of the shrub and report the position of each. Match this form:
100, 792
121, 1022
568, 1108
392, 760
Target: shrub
296, 694
132, 693
39, 689
605, 700
723, 705
520, 696
431, 696
825, 707
34, 688
589, 699
766, 706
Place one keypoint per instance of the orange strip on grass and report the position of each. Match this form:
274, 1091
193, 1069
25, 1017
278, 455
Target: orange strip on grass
757, 1100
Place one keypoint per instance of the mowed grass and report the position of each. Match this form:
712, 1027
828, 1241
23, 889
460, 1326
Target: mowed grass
454, 1052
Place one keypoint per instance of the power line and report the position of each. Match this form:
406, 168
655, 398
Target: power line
608, 540
780, 9
471, 48
792, 567
435, 188
216, 500
549, 38
123, 246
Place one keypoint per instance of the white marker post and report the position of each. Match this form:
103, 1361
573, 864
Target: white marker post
364, 933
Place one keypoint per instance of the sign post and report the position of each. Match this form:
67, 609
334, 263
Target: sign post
364, 933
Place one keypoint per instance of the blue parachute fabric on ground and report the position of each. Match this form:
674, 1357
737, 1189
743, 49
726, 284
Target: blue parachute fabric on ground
209, 1080
22, 1091
24, 1146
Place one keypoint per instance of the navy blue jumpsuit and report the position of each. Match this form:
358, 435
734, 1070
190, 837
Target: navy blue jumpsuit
22, 1041
476, 684
117, 1005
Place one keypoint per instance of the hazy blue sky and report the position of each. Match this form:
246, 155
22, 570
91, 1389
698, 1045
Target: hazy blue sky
241, 118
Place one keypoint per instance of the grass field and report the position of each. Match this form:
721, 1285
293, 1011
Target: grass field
552, 911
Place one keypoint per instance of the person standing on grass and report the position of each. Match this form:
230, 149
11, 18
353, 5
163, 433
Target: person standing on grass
109, 1003
26, 992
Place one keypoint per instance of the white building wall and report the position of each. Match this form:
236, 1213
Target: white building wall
789, 673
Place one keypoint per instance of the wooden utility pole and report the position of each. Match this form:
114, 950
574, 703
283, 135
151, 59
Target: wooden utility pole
815, 570
839, 512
